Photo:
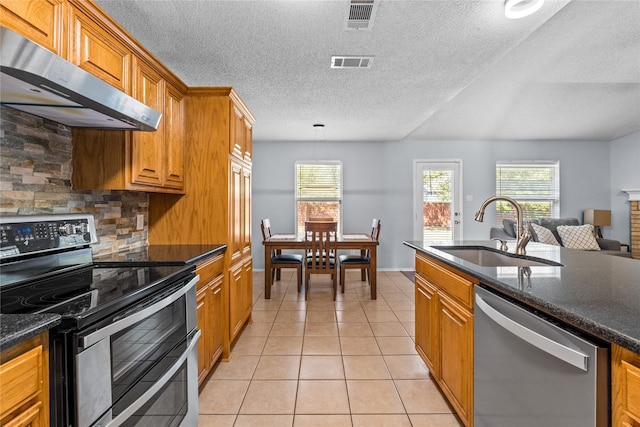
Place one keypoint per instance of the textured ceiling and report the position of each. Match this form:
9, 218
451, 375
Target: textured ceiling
447, 69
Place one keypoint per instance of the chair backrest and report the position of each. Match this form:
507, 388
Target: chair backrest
375, 228
265, 226
321, 245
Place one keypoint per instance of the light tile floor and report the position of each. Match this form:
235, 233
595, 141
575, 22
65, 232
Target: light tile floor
318, 363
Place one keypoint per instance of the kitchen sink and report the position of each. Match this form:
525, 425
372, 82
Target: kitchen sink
488, 257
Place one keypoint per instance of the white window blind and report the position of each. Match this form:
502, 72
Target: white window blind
534, 185
318, 191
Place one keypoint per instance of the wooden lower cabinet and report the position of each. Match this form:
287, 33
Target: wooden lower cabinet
24, 381
240, 296
625, 387
444, 331
210, 314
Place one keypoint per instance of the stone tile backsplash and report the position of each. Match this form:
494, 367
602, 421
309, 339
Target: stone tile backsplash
35, 178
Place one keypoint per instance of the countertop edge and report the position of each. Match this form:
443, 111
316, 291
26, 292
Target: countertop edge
598, 330
20, 327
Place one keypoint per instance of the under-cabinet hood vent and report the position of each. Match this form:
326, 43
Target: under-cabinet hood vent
351, 61
39, 82
360, 14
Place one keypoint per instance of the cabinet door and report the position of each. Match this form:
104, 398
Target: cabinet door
248, 140
202, 308
236, 179
427, 334
174, 140
38, 20
236, 301
147, 150
247, 284
625, 387
456, 355
99, 53
216, 311
246, 211
237, 133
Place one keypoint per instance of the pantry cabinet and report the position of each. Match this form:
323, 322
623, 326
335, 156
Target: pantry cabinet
625, 388
444, 330
216, 209
24, 378
39, 20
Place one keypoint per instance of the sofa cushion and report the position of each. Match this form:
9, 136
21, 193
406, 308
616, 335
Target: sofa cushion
543, 235
553, 223
578, 237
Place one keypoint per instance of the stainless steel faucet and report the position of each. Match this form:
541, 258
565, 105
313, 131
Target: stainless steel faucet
522, 235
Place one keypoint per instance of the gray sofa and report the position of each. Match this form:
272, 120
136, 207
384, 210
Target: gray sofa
507, 232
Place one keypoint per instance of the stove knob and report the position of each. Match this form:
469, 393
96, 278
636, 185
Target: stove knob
66, 229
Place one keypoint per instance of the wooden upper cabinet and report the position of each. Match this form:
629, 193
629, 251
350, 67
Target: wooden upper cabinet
95, 50
41, 21
174, 138
241, 134
147, 148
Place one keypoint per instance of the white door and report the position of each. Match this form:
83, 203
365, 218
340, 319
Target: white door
437, 200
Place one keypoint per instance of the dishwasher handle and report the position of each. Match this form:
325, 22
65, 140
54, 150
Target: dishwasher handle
562, 352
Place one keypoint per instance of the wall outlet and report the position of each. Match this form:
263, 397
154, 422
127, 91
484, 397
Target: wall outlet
140, 222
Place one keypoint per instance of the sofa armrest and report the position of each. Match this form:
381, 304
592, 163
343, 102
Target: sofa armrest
608, 244
498, 232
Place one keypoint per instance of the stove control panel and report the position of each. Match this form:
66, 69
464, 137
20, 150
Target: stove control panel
32, 234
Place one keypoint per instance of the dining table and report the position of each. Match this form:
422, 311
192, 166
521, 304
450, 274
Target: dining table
354, 241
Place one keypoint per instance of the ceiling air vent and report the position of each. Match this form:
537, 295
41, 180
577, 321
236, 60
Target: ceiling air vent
351, 61
360, 14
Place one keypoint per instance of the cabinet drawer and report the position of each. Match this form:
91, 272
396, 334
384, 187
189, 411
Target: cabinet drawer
458, 287
22, 378
209, 269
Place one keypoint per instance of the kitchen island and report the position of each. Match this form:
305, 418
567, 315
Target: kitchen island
596, 295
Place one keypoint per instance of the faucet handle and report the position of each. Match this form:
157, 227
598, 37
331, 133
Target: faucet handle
503, 244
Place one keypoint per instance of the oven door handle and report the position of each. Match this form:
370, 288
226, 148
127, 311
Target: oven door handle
92, 338
157, 386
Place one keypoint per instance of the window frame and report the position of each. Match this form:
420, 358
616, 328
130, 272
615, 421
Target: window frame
534, 196
338, 199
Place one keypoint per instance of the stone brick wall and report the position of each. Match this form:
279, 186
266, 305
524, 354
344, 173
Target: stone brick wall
35, 178
635, 229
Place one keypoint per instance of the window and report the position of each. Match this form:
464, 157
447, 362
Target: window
534, 185
318, 191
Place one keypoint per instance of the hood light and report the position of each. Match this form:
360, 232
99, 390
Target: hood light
515, 9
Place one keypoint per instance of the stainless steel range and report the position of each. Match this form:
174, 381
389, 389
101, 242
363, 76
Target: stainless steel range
125, 352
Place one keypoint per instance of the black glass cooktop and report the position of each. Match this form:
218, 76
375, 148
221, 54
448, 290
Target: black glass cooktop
86, 291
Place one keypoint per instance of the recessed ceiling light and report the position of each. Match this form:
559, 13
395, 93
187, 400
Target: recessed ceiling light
514, 9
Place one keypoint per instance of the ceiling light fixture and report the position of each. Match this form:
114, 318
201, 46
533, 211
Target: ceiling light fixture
514, 9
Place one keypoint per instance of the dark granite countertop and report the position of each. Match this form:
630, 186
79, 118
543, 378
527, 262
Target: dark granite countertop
597, 293
164, 254
15, 328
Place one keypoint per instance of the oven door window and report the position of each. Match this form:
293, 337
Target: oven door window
167, 408
137, 349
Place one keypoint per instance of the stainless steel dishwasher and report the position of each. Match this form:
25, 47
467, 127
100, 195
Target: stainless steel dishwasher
529, 371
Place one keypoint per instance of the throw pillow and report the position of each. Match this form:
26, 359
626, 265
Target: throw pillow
544, 235
578, 237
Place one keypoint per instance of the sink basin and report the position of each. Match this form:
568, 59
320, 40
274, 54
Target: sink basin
488, 257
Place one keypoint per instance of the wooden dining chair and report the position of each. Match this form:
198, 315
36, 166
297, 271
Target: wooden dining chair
362, 261
321, 244
280, 260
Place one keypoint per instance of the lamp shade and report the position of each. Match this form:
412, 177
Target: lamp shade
597, 217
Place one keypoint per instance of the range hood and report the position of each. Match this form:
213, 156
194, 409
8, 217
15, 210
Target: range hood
39, 82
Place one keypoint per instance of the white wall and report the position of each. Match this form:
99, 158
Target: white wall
378, 182
625, 174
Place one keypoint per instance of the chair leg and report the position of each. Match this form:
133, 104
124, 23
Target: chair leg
273, 275
299, 278
335, 286
306, 287
342, 278
363, 275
